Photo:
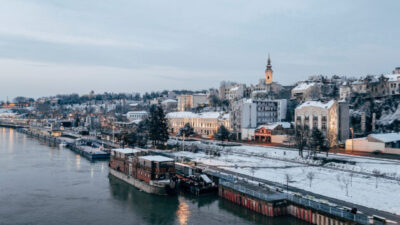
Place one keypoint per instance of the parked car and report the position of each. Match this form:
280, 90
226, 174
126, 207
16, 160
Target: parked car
377, 152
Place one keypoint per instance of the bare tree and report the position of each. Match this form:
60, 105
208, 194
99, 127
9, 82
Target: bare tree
253, 170
300, 139
310, 177
288, 179
344, 182
377, 175
351, 175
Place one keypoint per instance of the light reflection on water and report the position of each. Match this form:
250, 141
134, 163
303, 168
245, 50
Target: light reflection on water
78, 162
183, 212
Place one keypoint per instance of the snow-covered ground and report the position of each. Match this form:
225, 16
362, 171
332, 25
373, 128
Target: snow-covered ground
273, 163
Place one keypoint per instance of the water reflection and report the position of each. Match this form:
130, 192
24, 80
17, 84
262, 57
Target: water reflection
10, 140
153, 209
78, 162
183, 212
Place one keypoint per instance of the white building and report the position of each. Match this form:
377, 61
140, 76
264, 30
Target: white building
386, 143
136, 115
345, 91
323, 116
169, 104
236, 92
250, 113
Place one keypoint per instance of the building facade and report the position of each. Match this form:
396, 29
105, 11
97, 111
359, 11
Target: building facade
323, 116
204, 124
250, 113
187, 102
305, 91
136, 115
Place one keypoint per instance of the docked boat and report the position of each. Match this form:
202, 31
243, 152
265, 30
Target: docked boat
192, 180
150, 173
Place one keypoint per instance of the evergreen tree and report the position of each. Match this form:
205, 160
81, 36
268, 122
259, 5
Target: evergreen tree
130, 139
186, 130
222, 133
317, 140
158, 126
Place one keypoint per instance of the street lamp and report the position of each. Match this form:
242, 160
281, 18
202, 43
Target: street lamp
352, 139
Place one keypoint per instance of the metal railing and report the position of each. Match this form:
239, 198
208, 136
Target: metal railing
252, 193
227, 180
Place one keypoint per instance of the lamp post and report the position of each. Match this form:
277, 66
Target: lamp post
352, 139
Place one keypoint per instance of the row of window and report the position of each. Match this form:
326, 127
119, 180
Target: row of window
315, 118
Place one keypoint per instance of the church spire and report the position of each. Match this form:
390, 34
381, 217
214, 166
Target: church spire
269, 66
268, 71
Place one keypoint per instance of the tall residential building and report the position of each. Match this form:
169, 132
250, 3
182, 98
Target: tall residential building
250, 113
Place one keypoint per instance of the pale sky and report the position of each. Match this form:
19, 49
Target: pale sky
74, 46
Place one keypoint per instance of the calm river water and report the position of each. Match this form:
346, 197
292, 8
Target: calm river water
51, 185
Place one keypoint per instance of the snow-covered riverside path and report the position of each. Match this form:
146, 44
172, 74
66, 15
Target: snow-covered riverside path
354, 183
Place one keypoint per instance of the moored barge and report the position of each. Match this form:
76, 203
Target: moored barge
150, 173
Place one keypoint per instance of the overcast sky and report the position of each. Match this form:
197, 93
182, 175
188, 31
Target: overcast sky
63, 46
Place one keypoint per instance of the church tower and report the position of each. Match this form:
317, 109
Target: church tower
268, 72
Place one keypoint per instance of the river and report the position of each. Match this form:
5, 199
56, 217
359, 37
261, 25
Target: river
47, 185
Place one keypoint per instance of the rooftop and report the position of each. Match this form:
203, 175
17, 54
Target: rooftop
126, 150
386, 138
157, 158
272, 126
204, 115
303, 86
318, 104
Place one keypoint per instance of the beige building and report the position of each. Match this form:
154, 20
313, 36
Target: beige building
385, 143
324, 116
204, 124
187, 102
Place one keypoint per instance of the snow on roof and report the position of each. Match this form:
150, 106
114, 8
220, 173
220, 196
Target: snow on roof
137, 112
156, 158
392, 77
169, 100
319, 104
126, 150
386, 138
272, 126
204, 115
234, 88
303, 86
